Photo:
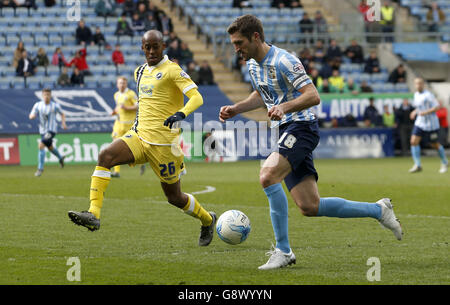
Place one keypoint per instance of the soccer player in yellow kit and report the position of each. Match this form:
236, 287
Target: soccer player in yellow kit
126, 106
161, 84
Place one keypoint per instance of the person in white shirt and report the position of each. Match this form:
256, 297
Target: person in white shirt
426, 126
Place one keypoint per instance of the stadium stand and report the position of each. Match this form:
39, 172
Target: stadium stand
49, 28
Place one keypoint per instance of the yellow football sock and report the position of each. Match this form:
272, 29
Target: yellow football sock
194, 209
99, 182
117, 169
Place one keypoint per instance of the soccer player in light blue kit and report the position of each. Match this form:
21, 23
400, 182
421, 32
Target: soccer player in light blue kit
426, 126
283, 87
47, 110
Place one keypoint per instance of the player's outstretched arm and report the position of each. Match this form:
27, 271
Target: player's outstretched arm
253, 102
63, 121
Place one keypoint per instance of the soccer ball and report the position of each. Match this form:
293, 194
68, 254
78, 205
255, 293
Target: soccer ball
233, 227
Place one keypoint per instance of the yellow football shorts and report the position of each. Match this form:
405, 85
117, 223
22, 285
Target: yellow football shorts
166, 161
120, 129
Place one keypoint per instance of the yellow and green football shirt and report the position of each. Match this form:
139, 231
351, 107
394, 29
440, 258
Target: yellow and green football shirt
161, 90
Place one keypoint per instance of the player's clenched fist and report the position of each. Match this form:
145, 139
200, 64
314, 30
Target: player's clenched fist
275, 113
226, 112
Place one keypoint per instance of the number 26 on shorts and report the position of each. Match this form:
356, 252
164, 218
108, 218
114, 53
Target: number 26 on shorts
169, 167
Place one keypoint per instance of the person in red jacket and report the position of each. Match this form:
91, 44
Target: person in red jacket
79, 61
117, 56
443, 122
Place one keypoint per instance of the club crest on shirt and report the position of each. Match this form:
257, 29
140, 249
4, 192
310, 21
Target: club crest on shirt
272, 72
159, 76
184, 74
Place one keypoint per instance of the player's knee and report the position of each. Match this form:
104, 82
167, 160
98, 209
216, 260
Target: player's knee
308, 208
105, 158
266, 180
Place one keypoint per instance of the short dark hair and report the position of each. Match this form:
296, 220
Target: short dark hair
247, 25
47, 89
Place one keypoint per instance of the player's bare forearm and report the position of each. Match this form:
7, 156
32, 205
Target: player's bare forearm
63, 121
32, 116
252, 102
429, 111
309, 98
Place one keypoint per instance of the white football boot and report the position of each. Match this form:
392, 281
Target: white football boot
388, 219
415, 169
443, 169
278, 259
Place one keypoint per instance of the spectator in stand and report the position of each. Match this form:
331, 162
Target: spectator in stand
83, 34
286, 4
100, 41
334, 50
63, 79
206, 74
443, 122
165, 23
388, 117
174, 51
320, 24
435, 17
49, 3
25, 66
193, 71
306, 27
326, 87
388, 20
326, 71
351, 87
348, 121
106, 8
355, 52
117, 56
128, 7
319, 52
41, 58
404, 125
372, 63
398, 75
337, 81
18, 53
58, 58
137, 25
307, 58
363, 8
371, 116
22, 3
141, 11
365, 88
186, 54
79, 61
123, 27
315, 77
242, 3
77, 78
151, 23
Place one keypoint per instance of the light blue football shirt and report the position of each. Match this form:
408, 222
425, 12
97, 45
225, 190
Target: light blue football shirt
47, 116
278, 77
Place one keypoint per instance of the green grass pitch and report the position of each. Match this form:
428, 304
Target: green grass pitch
144, 240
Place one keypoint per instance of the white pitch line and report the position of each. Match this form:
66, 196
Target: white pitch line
209, 189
